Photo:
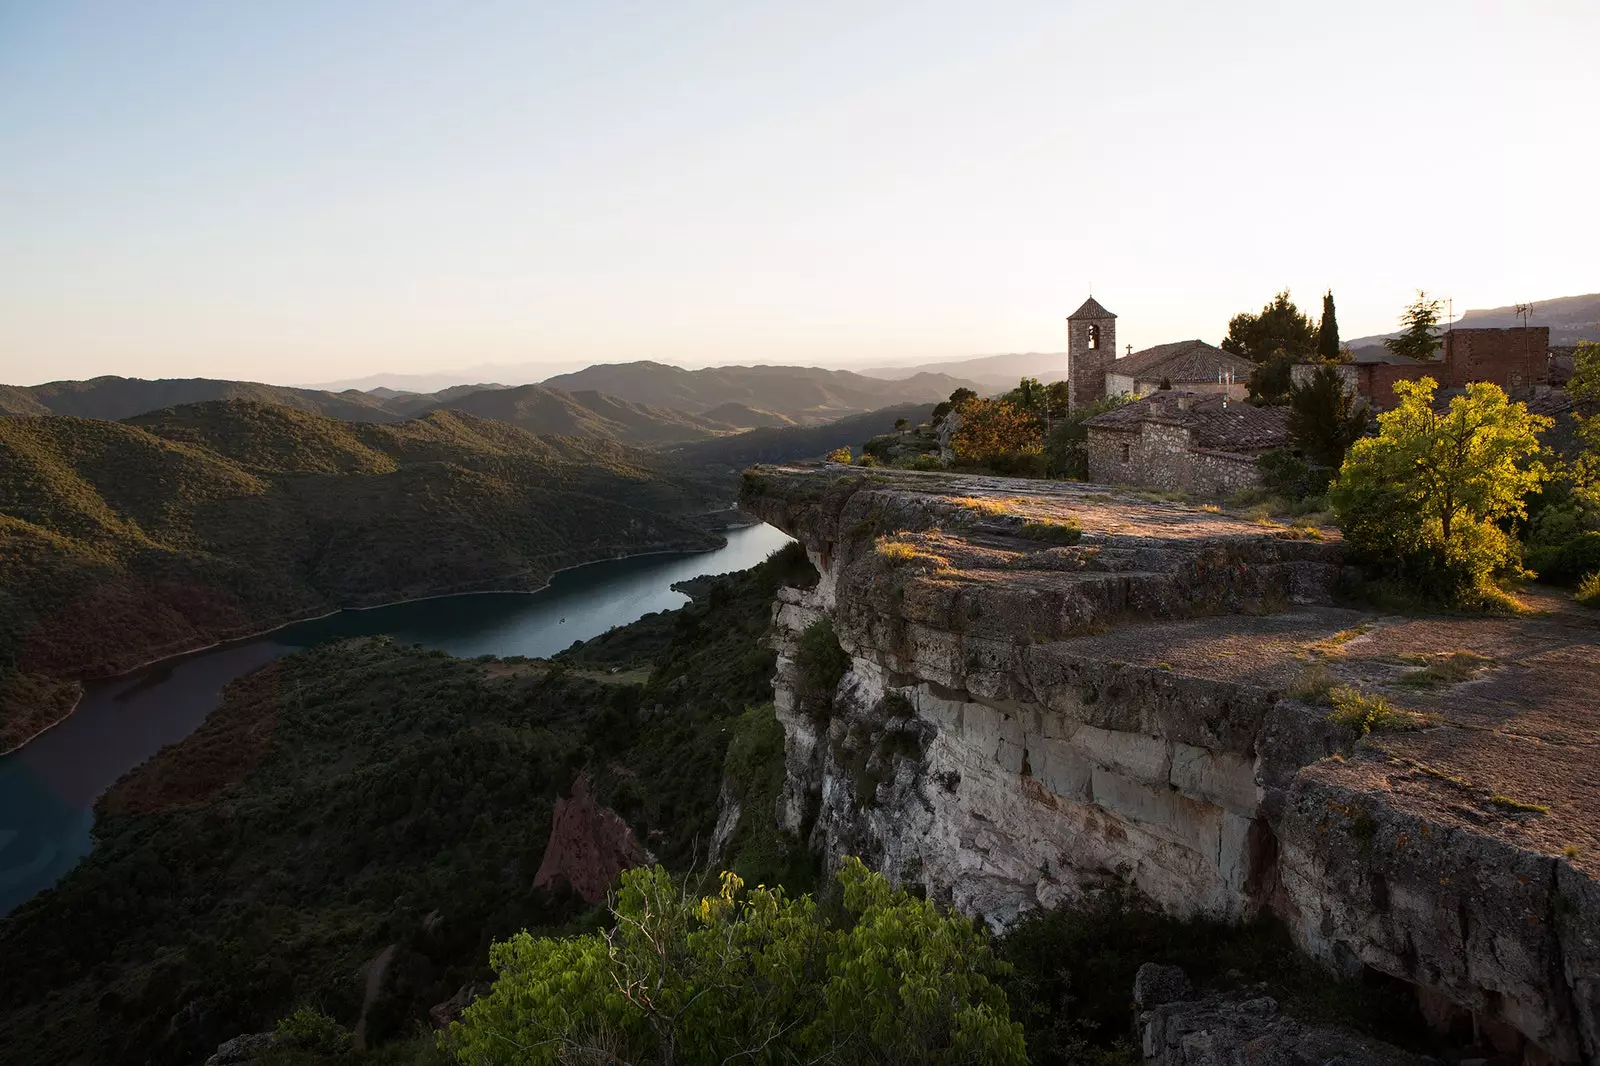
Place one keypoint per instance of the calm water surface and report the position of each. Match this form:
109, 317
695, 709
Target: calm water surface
48, 789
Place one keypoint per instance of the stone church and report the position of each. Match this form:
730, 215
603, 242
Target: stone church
1094, 371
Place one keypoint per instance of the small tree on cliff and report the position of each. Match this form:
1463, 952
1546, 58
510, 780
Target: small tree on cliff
748, 977
1328, 330
1421, 337
1431, 490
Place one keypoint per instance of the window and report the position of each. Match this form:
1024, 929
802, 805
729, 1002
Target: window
1127, 452
1094, 336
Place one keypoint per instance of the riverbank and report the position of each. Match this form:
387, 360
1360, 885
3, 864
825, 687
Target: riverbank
33, 704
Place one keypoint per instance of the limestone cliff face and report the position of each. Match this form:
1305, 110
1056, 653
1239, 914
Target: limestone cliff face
1026, 711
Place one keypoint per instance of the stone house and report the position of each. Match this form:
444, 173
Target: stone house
1186, 366
1184, 441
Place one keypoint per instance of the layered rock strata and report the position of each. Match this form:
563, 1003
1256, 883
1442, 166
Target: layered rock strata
1011, 691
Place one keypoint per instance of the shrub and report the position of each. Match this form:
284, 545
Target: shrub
821, 660
308, 1029
994, 432
1365, 714
1589, 591
749, 976
1287, 475
1576, 555
838, 455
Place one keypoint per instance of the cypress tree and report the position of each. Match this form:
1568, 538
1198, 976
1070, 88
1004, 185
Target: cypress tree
1328, 332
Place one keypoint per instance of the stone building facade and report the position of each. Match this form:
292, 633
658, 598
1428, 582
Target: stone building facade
1091, 348
1184, 441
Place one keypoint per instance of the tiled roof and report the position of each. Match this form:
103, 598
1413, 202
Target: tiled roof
1213, 420
1090, 309
1182, 362
1378, 354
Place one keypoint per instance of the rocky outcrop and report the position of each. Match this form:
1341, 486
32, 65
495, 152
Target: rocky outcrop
1036, 688
1233, 1030
589, 846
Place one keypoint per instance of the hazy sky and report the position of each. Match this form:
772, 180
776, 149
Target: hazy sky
299, 192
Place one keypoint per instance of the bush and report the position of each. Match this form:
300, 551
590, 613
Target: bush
838, 455
1589, 591
308, 1029
1287, 475
754, 977
822, 662
1568, 561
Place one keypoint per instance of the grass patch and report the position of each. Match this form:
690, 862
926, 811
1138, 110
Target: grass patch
898, 553
1312, 685
1052, 531
1333, 646
1516, 806
1364, 713
992, 506
1450, 669
1588, 594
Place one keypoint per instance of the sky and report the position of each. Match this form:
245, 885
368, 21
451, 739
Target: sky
303, 192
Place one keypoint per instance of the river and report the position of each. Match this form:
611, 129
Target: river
48, 789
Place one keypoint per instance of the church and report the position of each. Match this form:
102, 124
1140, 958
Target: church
1094, 371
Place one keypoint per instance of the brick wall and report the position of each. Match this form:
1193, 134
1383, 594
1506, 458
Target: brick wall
1510, 358
1377, 380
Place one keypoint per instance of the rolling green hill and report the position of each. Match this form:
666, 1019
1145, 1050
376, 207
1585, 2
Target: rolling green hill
122, 542
117, 397
729, 455
587, 413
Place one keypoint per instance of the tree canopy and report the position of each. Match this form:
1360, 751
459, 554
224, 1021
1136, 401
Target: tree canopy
995, 430
1421, 337
1431, 489
751, 977
1279, 329
1325, 417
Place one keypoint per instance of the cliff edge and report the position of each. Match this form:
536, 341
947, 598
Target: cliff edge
1011, 691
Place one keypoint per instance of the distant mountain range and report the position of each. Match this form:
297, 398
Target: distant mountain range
1571, 319
800, 394
637, 403
788, 443
996, 373
126, 541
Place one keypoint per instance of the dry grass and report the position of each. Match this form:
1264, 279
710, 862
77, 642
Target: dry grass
1054, 531
1516, 806
993, 506
1451, 669
1333, 647
899, 553
1312, 685
1588, 593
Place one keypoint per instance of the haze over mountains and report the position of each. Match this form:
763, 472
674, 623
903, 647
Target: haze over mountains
1572, 319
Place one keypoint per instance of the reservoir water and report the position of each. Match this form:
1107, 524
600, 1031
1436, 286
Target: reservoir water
48, 789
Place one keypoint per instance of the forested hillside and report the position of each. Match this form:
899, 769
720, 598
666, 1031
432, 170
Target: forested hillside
730, 455
364, 795
118, 397
121, 542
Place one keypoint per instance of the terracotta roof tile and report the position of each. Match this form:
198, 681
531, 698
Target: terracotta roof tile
1182, 362
1211, 422
1090, 309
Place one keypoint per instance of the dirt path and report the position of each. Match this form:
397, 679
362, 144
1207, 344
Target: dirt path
375, 971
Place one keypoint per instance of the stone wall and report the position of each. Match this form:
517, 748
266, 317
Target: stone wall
1161, 456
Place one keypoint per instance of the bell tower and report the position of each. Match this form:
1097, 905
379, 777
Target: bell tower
1091, 346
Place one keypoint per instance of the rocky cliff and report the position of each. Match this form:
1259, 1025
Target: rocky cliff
1011, 691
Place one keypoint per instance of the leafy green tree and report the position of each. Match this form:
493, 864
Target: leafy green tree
1278, 330
1328, 331
1421, 337
749, 977
1432, 489
900, 424
961, 397
995, 430
1326, 418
